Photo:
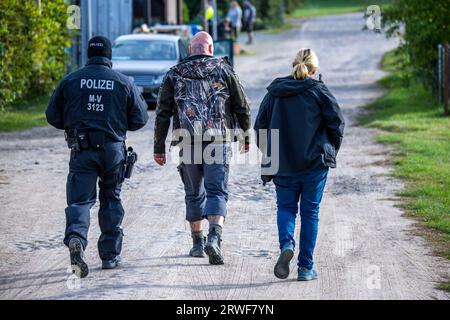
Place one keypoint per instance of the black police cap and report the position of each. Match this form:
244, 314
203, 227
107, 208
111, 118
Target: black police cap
99, 46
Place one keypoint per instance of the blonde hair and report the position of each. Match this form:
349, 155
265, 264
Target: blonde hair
305, 61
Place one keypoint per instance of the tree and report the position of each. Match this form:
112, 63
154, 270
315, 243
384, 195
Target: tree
422, 26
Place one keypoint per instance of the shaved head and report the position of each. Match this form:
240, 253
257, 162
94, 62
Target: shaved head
202, 43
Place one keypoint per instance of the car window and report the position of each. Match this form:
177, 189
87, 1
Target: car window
183, 47
144, 50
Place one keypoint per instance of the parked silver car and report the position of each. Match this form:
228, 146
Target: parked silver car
146, 58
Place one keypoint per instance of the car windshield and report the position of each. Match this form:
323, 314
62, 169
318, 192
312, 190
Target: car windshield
144, 50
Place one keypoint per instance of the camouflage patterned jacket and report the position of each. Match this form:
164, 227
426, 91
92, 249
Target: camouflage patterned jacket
202, 93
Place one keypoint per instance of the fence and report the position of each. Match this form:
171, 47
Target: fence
443, 76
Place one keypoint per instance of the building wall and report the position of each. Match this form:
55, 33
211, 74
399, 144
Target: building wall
110, 18
173, 11
113, 18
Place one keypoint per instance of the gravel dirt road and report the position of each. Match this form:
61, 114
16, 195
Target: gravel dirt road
366, 248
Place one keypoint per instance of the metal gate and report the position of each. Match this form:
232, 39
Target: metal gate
443, 76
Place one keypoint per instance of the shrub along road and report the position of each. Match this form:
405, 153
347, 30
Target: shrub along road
366, 248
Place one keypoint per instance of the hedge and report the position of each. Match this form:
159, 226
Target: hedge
422, 26
33, 44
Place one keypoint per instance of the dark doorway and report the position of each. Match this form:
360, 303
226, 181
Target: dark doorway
140, 13
157, 11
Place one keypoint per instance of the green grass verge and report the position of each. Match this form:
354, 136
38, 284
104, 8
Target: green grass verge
445, 286
24, 115
414, 125
314, 8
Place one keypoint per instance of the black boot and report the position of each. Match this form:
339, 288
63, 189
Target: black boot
212, 248
198, 248
79, 265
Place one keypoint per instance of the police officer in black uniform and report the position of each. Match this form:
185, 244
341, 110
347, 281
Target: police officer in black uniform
96, 106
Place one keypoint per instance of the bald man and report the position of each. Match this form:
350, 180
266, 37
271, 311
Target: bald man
205, 99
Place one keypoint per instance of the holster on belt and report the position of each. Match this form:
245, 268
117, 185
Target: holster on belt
78, 141
71, 136
128, 164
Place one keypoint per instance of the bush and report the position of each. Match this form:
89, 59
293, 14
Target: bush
422, 25
186, 14
32, 47
272, 11
51, 39
16, 49
292, 5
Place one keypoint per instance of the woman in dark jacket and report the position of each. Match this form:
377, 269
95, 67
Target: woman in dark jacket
304, 127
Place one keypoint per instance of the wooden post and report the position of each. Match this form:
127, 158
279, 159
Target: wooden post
446, 78
439, 71
205, 21
215, 21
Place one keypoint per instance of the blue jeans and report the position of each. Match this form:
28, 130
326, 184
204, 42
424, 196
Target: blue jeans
308, 190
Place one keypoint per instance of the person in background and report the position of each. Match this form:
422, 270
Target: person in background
142, 29
249, 19
310, 127
224, 29
235, 16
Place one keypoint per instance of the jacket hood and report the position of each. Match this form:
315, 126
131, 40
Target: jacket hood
197, 67
288, 86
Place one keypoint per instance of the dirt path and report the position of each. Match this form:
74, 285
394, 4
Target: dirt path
366, 249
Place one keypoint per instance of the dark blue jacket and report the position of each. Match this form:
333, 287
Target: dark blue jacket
309, 120
97, 98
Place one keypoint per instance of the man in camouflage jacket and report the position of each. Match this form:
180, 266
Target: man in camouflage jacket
207, 102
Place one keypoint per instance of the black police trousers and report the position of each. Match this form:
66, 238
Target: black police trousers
86, 167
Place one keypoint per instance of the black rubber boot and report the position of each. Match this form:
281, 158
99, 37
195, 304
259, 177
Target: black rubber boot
212, 248
198, 248
111, 264
79, 265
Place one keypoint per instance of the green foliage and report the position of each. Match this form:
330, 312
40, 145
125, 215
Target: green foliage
32, 47
194, 8
186, 16
270, 12
51, 38
313, 8
292, 5
445, 286
16, 49
273, 13
24, 114
422, 25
